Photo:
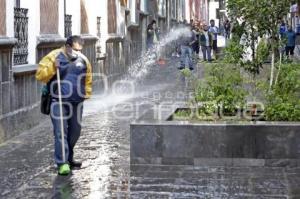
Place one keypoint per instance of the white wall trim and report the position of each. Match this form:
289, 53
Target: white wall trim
61, 18
10, 18
33, 27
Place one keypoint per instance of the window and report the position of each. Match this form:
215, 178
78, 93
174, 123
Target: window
68, 25
20, 51
98, 45
99, 27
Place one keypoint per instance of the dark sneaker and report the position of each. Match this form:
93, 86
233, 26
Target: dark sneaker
64, 169
75, 164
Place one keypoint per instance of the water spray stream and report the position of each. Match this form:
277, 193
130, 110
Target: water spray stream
126, 87
141, 67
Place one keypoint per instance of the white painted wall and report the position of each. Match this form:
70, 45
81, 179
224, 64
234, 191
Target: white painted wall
143, 5
212, 11
206, 8
73, 8
92, 10
103, 12
33, 27
61, 18
97, 9
10, 18
187, 16
162, 7
181, 10
121, 17
132, 11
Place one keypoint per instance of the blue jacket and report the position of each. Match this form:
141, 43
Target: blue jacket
202, 39
188, 39
291, 38
72, 72
73, 78
282, 29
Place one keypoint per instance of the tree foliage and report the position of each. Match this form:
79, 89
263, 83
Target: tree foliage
262, 15
259, 19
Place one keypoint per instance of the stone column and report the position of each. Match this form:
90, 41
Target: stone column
49, 38
3, 17
112, 16
49, 16
84, 18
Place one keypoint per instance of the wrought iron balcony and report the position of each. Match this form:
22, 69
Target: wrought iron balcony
68, 25
98, 46
20, 51
99, 27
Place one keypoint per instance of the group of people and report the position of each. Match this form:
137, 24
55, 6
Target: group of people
288, 35
201, 37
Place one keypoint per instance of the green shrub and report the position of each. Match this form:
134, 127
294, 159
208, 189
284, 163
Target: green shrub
283, 100
233, 52
221, 89
262, 52
186, 72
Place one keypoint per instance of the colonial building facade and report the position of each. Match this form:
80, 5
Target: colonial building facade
114, 32
199, 10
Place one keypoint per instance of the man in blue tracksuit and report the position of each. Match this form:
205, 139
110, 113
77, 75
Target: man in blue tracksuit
186, 50
291, 42
282, 29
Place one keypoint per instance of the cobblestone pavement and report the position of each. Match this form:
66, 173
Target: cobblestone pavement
27, 168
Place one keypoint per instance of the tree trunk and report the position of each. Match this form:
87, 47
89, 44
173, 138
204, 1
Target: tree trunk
280, 61
272, 65
253, 44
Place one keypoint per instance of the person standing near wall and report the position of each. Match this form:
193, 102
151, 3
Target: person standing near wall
186, 51
206, 43
227, 28
75, 73
282, 29
291, 42
152, 35
215, 31
195, 43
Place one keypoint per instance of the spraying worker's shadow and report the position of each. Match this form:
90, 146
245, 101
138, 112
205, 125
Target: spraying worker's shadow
62, 187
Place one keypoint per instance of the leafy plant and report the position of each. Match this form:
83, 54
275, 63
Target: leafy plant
221, 89
183, 114
260, 19
186, 72
283, 100
233, 52
262, 52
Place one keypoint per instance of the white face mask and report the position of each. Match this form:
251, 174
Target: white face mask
72, 54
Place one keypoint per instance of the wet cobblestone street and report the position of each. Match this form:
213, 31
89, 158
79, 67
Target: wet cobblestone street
28, 171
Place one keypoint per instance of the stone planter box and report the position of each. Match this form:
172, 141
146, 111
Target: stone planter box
165, 142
